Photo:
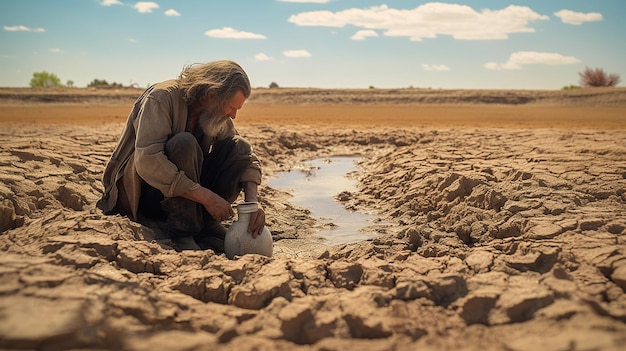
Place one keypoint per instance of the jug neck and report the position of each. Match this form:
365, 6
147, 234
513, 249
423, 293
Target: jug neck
243, 217
245, 209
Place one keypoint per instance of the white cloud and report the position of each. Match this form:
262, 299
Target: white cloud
429, 20
132, 40
110, 2
520, 58
145, 6
363, 34
21, 28
172, 12
261, 57
56, 50
429, 67
311, 1
578, 18
297, 53
232, 33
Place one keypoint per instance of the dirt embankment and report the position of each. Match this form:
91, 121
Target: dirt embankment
589, 96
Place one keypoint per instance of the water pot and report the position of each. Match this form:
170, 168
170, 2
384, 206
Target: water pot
239, 242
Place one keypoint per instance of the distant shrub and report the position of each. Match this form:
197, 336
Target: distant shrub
598, 78
570, 87
97, 83
273, 85
45, 80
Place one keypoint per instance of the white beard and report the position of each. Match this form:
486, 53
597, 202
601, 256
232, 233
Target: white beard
213, 125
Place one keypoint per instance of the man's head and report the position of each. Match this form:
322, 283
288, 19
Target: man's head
220, 88
217, 80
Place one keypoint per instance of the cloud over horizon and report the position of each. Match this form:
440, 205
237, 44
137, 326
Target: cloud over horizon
110, 2
22, 28
261, 57
521, 58
172, 12
307, 1
429, 20
145, 6
437, 68
363, 34
232, 33
297, 53
578, 18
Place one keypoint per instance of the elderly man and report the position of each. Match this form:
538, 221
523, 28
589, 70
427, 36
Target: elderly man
180, 162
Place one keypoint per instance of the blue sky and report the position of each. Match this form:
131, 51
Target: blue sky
482, 44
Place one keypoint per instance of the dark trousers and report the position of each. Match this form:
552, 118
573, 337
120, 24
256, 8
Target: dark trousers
220, 171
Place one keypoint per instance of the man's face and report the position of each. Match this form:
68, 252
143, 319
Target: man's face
234, 104
214, 119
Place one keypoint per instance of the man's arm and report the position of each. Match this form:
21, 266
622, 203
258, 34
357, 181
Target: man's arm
219, 208
257, 220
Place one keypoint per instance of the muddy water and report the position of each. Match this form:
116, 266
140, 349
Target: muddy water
315, 186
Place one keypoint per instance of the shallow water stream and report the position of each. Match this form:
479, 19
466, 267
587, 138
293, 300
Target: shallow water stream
315, 186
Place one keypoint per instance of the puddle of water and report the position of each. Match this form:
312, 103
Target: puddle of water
315, 188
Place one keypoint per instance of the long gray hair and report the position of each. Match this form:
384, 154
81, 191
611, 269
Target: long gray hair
222, 79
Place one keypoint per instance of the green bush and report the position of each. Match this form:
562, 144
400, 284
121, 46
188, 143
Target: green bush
45, 80
97, 83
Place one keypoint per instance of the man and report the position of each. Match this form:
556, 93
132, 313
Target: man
180, 161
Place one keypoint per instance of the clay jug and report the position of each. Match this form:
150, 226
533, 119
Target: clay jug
239, 242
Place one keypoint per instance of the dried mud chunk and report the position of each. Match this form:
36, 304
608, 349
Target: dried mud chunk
411, 290
345, 274
540, 259
70, 255
366, 327
446, 289
257, 290
509, 229
477, 306
172, 340
299, 324
71, 197
619, 277
7, 215
29, 323
522, 298
378, 273
544, 231
138, 257
46, 275
483, 196
480, 261
313, 277
102, 245
460, 187
205, 286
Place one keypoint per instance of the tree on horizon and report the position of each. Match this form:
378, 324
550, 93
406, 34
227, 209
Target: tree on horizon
45, 80
598, 78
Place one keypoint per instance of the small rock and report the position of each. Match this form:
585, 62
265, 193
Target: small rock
544, 231
619, 277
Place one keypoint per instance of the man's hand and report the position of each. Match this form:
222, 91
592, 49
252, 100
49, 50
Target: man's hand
217, 207
257, 222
